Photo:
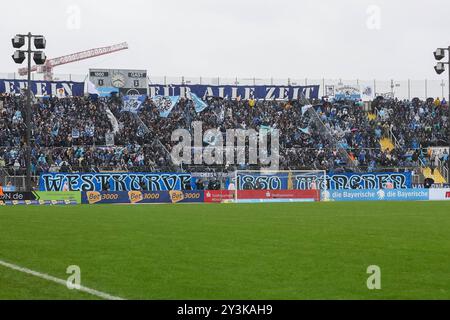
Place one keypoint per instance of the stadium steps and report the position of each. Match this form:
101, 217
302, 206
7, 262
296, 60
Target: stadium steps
386, 143
437, 176
371, 116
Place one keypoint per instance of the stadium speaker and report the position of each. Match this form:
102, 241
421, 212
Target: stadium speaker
439, 68
39, 57
40, 42
18, 56
18, 42
439, 54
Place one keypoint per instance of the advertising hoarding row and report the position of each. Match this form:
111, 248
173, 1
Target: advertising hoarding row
218, 196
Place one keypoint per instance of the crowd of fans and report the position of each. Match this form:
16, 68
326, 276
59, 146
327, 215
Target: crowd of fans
70, 134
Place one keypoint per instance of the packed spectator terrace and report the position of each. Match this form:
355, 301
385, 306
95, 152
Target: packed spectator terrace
415, 124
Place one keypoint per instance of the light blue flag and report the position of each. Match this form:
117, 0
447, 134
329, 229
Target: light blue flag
55, 129
133, 103
305, 130
165, 104
199, 104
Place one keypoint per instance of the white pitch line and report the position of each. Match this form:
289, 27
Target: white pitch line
44, 276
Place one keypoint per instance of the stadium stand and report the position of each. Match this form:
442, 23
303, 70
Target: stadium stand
69, 134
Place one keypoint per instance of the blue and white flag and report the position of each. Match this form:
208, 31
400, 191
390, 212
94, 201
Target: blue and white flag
91, 89
266, 129
304, 130
55, 129
133, 103
305, 109
199, 104
75, 133
89, 131
141, 131
165, 104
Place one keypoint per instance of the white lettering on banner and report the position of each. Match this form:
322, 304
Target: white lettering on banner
249, 93
283, 93
184, 91
295, 93
234, 93
67, 88
154, 91
270, 95
209, 92
222, 92
9, 87
40, 89
166, 91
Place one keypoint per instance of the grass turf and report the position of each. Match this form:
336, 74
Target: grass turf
229, 251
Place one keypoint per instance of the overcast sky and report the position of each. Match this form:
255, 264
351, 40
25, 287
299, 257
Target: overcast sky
346, 39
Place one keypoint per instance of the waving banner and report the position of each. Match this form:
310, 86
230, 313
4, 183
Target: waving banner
199, 104
133, 103
165, 104
234, 92
43, 88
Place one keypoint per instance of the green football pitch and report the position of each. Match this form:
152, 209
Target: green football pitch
229, 251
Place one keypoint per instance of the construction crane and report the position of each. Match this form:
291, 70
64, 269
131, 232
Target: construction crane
47, 68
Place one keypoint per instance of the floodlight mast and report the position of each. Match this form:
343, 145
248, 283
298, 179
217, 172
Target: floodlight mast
439, 54
39, 57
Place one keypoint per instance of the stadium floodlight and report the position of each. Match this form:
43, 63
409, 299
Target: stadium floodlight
18, 41
40, 42
439, 68
39, 57
439, 54
18, 56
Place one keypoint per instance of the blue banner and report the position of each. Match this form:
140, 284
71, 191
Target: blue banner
43, 88
267, 92
114, 181
165, 104
375, 195
133, 103
318, 180
174, 196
